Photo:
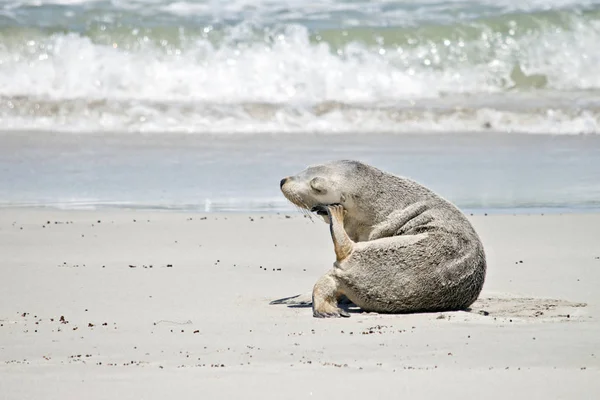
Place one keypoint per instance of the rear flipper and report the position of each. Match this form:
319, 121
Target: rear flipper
305, 300
297, 300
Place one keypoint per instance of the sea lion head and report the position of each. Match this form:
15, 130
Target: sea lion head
323, 184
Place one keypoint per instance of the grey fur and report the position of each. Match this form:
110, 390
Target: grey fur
400, 247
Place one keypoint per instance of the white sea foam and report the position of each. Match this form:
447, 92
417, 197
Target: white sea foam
384, 11
286, 80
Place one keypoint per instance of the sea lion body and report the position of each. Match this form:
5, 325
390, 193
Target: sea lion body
400, 248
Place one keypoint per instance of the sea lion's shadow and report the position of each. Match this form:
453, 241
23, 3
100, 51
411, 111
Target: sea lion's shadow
352, 308
502, 306
349, 308
305, 301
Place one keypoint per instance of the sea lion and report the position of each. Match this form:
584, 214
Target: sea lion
399, 247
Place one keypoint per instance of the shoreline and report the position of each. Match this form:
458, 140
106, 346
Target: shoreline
242, 173
286, 208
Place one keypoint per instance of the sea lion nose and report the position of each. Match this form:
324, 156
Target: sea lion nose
283, 181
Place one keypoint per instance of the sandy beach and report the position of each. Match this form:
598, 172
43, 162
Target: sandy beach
125, 304
144, 233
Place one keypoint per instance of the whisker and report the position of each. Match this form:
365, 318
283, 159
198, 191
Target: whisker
307, 213
301, 206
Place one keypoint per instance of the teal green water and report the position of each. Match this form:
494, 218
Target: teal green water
336, 66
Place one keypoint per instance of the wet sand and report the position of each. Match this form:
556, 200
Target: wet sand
482, 172
125, 304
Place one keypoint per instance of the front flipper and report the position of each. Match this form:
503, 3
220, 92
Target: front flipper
402, 221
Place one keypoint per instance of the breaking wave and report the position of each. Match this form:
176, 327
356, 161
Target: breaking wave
515, 70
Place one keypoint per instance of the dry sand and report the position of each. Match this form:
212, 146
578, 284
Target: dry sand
171, 305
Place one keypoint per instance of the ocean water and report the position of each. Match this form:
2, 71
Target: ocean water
339, 66
205, 104
481, 173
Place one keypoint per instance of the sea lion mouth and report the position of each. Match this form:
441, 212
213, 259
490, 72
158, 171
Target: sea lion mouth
323, 209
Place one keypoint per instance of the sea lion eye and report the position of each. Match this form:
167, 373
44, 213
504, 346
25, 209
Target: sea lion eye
318, 185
